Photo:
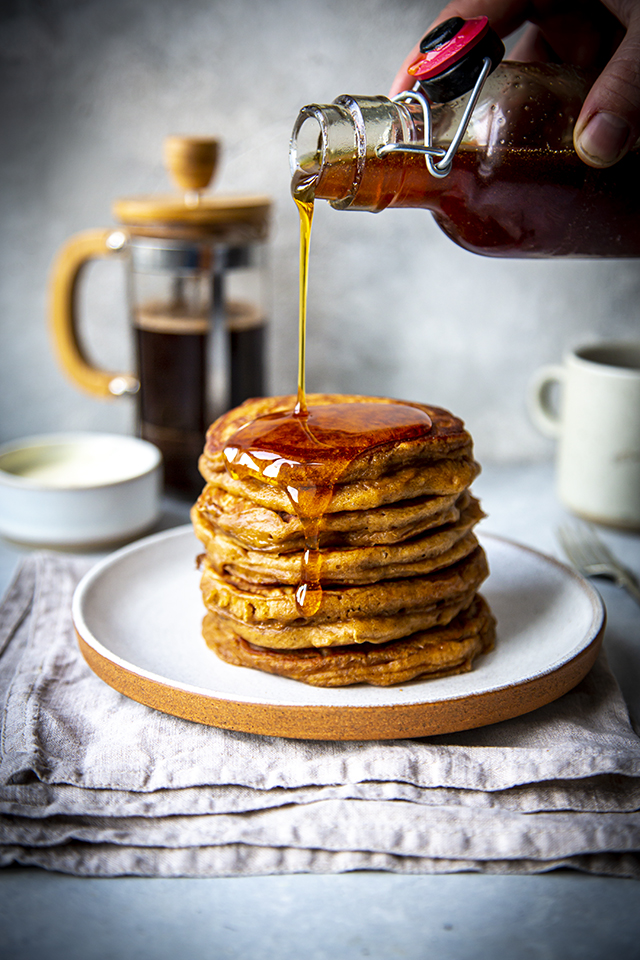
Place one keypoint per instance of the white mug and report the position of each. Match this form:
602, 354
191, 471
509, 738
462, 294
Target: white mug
596, 418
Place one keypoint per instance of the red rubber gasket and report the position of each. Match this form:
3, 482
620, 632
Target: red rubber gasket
434, 62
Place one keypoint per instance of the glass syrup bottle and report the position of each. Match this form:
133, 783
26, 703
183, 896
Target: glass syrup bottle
486, 145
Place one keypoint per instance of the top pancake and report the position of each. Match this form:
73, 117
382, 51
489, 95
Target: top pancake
439, 462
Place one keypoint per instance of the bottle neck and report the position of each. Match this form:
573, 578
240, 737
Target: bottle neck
333, 153
323, 153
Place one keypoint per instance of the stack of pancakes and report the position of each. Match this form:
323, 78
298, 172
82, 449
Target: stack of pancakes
400, 563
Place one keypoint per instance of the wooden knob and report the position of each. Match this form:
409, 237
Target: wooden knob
191, 161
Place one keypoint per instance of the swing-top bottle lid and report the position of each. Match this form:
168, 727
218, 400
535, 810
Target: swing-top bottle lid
191, 162
452, 56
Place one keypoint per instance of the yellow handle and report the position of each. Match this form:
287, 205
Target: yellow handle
63, 319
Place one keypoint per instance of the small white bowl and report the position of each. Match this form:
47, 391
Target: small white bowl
78, 489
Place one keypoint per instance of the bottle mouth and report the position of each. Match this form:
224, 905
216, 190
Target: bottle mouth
332, 144
307, 152
325, 152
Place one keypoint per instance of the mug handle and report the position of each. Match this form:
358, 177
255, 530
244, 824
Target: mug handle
546, 416
63, 318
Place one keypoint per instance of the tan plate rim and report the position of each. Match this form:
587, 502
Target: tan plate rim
351, 722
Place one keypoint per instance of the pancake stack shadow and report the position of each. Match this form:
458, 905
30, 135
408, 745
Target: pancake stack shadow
400, 563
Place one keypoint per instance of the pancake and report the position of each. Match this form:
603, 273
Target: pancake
371, 629
429, 551
439, 462
259, 528
438, 652
256, 604
435, 478
447, 438
372, 614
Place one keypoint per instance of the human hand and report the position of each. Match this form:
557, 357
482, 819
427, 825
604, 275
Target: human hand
599, 35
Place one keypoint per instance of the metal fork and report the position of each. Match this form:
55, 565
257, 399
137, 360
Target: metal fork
592, 558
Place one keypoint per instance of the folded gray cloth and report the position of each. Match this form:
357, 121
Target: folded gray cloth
93, 783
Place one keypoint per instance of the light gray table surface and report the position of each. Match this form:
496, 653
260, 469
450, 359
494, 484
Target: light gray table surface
383, 916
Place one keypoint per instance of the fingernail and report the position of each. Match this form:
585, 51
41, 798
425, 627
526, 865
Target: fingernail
603, 140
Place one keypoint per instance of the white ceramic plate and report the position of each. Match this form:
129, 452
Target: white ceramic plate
138, 613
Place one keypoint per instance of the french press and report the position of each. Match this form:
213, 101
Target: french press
196, 272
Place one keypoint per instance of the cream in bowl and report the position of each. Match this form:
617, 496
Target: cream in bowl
78, 489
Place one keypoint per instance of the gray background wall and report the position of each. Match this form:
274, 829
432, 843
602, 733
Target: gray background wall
89, 90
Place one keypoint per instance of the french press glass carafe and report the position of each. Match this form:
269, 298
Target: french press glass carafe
196, 269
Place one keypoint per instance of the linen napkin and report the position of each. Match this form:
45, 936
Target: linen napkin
92, 783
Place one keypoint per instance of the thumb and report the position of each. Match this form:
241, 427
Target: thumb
609, 122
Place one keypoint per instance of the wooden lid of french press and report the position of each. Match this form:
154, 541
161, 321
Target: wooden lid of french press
191, 162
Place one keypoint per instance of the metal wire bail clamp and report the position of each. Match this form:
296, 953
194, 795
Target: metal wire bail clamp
439, 168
